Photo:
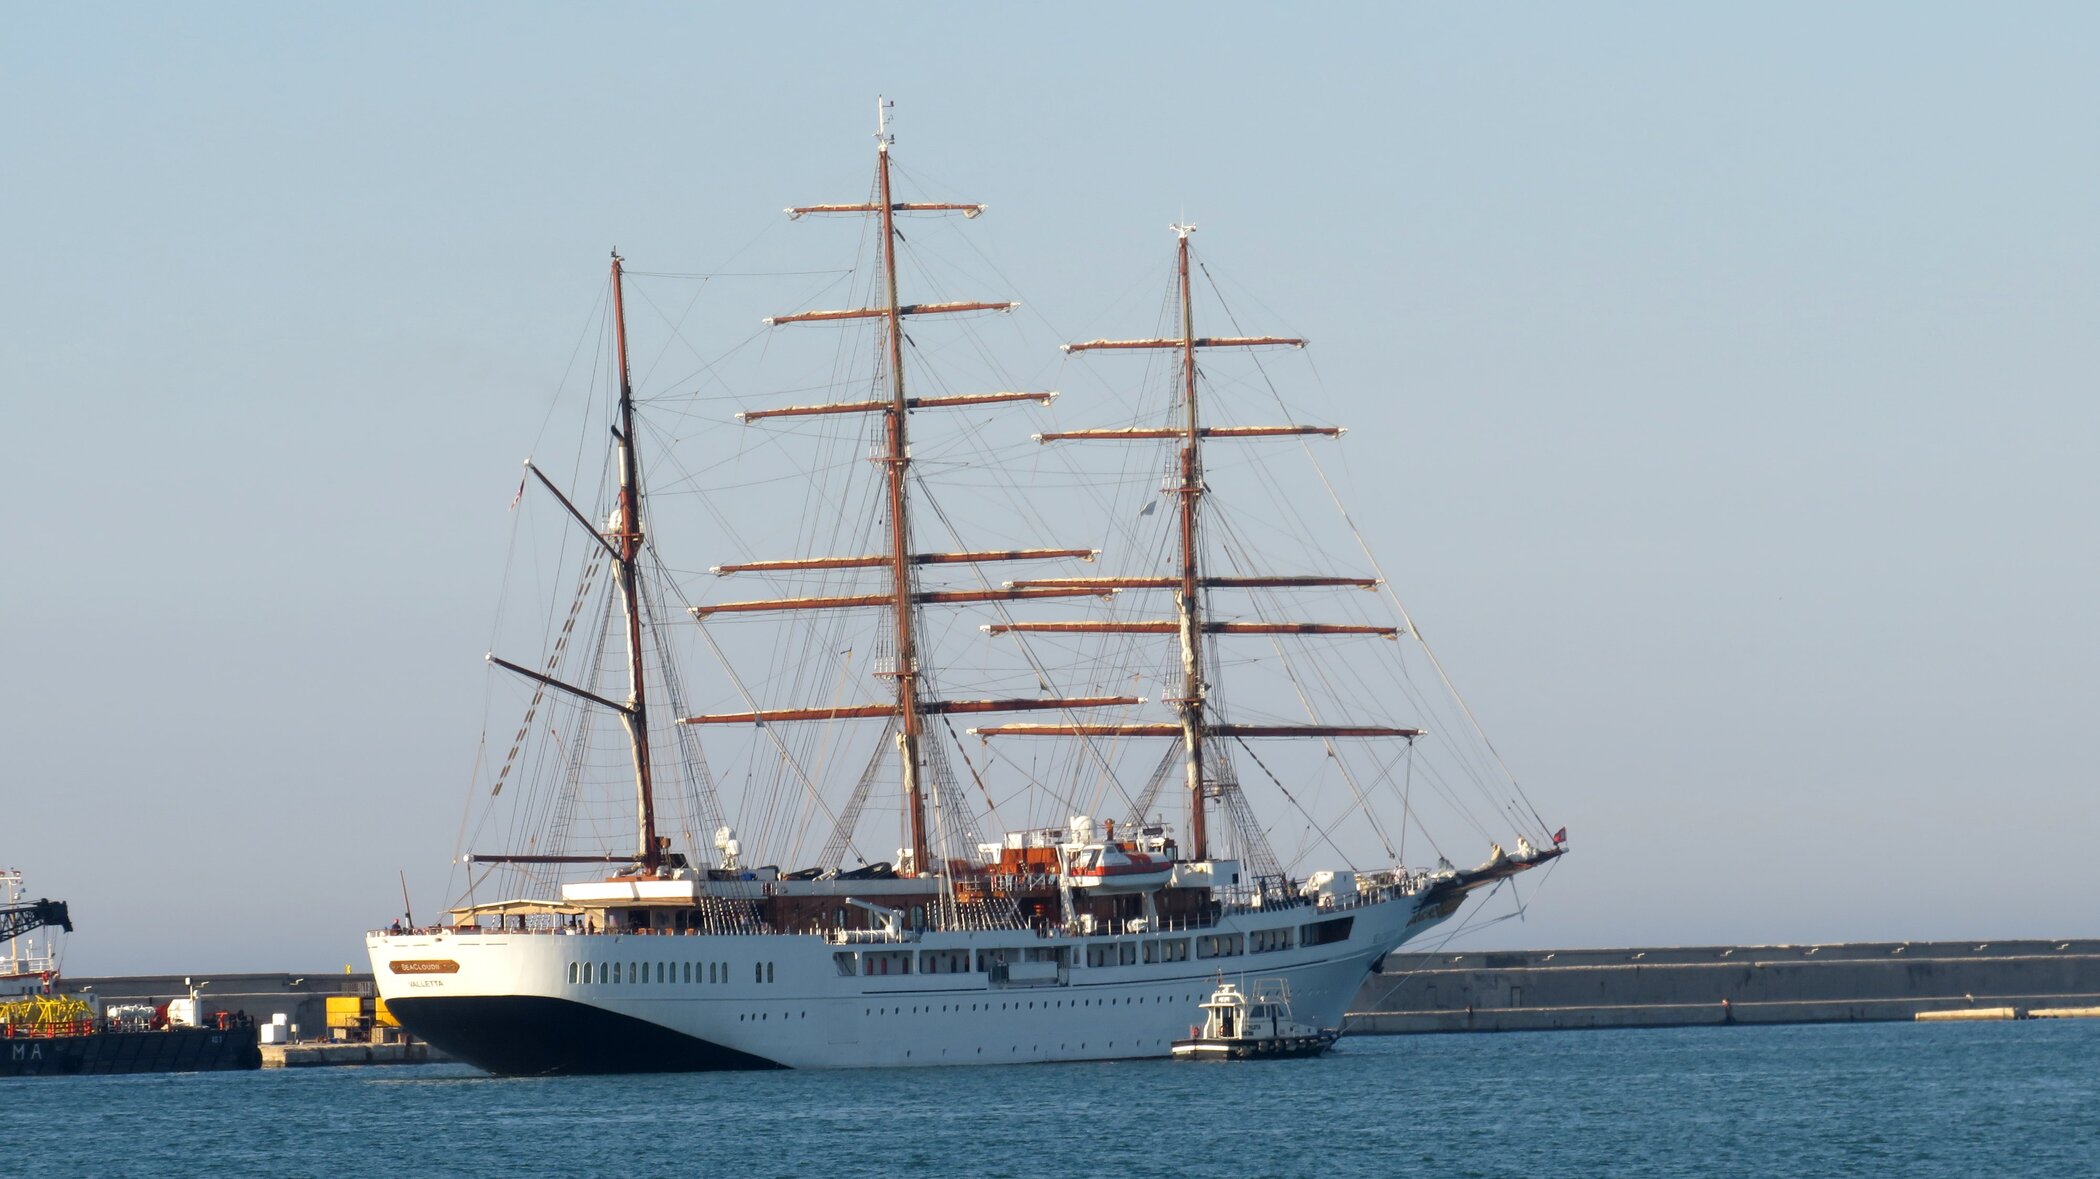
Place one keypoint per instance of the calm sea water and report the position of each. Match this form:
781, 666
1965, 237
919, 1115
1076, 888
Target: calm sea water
1872, 1099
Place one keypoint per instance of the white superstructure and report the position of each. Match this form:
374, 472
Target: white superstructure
670, 997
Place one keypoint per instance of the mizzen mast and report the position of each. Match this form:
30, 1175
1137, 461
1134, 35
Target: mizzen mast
621, 538
627, 528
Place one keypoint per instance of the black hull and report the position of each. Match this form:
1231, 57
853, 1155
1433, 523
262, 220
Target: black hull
176, 1050
533, 1036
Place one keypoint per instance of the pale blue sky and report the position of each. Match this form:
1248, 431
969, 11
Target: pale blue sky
1723, 386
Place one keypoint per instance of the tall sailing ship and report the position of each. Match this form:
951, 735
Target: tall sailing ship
682, 945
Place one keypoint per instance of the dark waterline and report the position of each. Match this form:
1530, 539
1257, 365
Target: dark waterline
1857, 1099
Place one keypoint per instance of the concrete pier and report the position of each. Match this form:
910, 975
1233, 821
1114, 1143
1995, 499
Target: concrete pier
314, 1055
1539, 990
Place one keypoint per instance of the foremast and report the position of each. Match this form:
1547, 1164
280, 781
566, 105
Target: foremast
1196, 726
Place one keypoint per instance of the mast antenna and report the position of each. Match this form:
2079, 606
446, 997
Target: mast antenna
883, 136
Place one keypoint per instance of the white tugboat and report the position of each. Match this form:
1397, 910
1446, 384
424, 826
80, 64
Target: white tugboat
1240, 1026
637, 930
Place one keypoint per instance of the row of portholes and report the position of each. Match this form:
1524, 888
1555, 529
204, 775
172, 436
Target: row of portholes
755, 1016
1066, 1047
1048, 1004
689, 973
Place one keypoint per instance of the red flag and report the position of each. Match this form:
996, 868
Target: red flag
521, 494
1560, 837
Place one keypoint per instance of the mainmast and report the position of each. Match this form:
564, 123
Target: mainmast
896, 462
621, 538
912, 702
1190, 703
627, 528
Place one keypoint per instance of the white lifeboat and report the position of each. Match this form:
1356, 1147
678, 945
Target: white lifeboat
1104, 867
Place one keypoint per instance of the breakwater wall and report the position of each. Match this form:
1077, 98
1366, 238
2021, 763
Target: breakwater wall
1538, 990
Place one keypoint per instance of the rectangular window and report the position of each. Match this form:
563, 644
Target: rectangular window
758, 972
1266, 941
1126, 953
944, 961
848, 963
1320, 933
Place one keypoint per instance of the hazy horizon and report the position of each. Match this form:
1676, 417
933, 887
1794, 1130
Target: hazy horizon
1720, 387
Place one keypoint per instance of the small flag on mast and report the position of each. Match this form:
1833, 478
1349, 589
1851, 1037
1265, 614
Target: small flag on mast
1560, 837
520, 495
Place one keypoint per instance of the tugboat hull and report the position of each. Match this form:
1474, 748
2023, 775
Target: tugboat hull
1274, 1048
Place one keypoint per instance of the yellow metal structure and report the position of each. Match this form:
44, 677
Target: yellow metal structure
44, 1014
348, 1011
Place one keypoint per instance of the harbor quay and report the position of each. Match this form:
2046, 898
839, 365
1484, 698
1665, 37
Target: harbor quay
302, 998
1545, 990
321, 1018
